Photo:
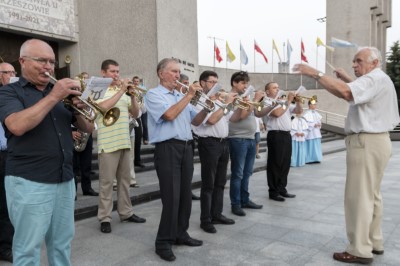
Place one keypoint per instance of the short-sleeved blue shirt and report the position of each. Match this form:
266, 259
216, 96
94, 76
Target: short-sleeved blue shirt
43, 154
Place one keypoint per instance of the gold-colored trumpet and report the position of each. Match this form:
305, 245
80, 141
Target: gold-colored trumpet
196, 100
137, 92
312, 99
109, 117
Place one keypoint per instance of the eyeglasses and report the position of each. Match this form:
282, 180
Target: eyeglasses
212, 81
9, 72
42, 61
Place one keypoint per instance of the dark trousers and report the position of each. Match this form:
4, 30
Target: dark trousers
173, 160
6, 228
144, 125
138, 141
214, 157
278, 163
83, 165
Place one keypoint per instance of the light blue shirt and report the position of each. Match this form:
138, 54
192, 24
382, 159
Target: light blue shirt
158, 101
3, 140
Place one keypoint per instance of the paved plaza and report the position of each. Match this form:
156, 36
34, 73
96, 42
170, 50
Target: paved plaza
301, 231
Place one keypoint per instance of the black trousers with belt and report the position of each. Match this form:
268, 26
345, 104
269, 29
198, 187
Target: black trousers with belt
138, 141
6, 228
214, 158
173, 160
278, 163
83, 165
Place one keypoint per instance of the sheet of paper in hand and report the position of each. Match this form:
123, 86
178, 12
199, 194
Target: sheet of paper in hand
96, 87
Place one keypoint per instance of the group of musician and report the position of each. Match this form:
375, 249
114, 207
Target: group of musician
38, 152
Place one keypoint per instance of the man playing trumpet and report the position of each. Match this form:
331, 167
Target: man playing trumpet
114, 146
213, 149
169, 118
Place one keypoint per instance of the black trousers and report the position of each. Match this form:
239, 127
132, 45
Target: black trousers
173, 160
138, 141
214, 157
83, 165
278, 163
6, 228
144, 125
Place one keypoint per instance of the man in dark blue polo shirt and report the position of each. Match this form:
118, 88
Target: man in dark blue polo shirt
39, 176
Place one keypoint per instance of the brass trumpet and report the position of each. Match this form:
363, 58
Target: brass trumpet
312, 99
109, 117
196, 100
137, 92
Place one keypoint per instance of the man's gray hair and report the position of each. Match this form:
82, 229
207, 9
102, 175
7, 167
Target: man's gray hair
183, 77
164, 62
374, 54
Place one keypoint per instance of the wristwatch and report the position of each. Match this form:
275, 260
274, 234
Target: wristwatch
319, 75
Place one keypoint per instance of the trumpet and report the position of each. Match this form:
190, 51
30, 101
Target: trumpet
137, 92
312, 99
196, 100
109, 117
269, 102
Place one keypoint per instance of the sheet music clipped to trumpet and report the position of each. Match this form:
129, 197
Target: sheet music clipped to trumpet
96, 87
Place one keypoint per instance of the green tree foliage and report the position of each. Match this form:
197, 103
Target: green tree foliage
393, 66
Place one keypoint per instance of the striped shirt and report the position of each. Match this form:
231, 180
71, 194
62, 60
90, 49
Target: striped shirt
115, 137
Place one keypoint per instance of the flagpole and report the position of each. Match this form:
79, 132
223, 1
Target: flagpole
214, 54
272, 76
316, 67
240, 47
254, 50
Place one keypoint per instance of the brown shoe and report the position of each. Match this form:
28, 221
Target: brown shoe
348, 258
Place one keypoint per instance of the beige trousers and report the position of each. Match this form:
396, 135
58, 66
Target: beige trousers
133, 174
114, 165
366, 160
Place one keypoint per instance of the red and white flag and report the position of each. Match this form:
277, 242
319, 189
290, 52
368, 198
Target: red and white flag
217, 53
258, 49
303, 56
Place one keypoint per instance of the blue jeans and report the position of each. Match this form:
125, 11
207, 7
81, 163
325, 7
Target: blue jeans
243, 153
41, 211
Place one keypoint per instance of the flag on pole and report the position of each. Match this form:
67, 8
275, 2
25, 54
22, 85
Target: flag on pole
258, 49
243, 56
303, 56
341, 43
230, 57
217, 53
289, 51
321, 43
276, 49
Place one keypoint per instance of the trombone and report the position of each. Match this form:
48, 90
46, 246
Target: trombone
196, 100
109, 117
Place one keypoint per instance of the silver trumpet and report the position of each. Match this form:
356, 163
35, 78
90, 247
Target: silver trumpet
200, 98
80, 144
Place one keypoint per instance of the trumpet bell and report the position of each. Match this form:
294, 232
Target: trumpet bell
111, 116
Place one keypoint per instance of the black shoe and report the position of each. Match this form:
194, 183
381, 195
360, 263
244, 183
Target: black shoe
194, 197
134, 185
167, 254
251, 205
378, 252
135, 219
140, 165
6, 255
287, 195
222, 220
277, 198
105, 227
191, 242
236, 210
90, 192
208, 227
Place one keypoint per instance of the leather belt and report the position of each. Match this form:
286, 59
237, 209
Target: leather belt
214, 139
178, 141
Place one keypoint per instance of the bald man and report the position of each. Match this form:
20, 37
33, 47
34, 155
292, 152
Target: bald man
39, 181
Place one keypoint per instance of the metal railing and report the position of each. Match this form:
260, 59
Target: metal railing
332, 119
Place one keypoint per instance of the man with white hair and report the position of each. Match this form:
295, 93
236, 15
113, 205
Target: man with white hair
372, 113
